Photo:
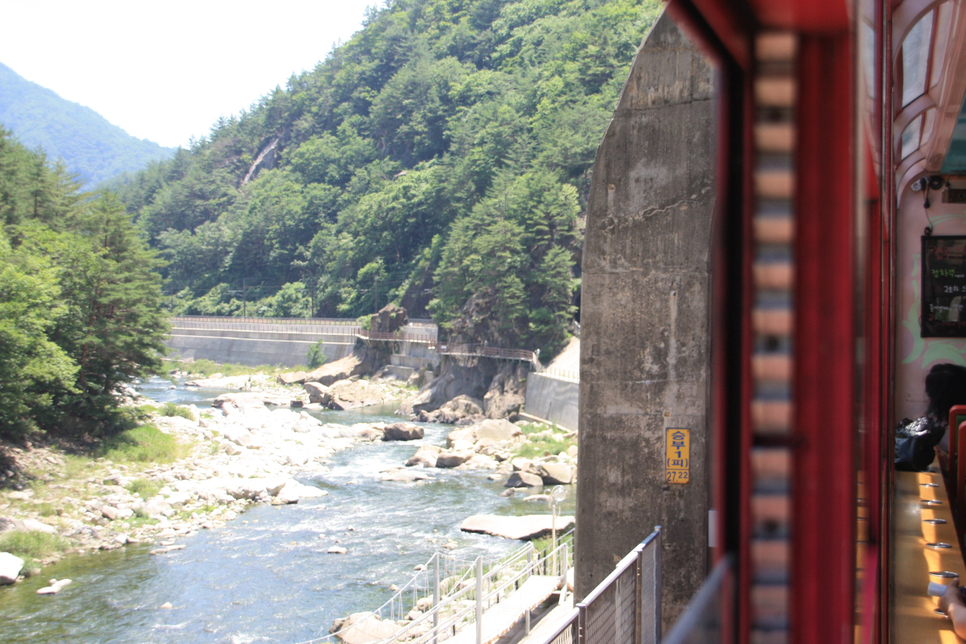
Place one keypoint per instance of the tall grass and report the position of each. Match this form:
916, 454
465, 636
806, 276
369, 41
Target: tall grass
144, 488
32, 544
174, 409
144, 444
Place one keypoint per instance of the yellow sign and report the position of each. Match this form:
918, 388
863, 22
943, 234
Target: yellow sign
677, 463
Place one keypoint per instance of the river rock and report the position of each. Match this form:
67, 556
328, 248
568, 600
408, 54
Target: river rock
363, 361
55, 587
464, 405
242, 400
406, 476
425, 456
109, 512
10, 567
402, 432
526, 527
31, 524
523, 479
337, 550
292, 377
453, 459
498, 430
467, 435
239, 436
318, 393
364, 628
556, 473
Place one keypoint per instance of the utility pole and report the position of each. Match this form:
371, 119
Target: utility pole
376, 281
244, 297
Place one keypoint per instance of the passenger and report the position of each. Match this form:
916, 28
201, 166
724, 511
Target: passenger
916, 440
953, 605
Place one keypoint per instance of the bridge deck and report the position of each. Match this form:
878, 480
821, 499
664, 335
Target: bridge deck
501, 618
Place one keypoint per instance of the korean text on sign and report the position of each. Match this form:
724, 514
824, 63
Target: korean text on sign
677, 463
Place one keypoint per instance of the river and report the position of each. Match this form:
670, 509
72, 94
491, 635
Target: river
266, 576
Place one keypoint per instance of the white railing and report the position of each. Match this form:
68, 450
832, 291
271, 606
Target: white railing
461, 592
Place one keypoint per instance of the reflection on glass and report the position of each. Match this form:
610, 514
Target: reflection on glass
929, 118
915, 59
942, 39
868, 57
910, 137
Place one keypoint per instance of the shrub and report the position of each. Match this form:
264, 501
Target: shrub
316, 355
144, 488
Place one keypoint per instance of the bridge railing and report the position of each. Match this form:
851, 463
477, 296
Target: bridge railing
480, 350
570, 375
625, 608
460, 592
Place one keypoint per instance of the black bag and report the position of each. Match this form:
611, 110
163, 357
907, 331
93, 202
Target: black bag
916, 442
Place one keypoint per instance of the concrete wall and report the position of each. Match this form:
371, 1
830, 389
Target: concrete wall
645, 349
253, 348
236, 343
552, 399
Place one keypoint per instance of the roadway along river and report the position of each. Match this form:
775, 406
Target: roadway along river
266, 577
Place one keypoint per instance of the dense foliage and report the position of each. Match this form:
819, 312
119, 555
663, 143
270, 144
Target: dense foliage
439, 160
80, 297
90, 146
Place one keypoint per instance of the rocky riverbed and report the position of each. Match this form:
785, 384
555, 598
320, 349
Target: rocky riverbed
243, 452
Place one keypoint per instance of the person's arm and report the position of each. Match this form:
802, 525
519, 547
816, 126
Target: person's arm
952, 604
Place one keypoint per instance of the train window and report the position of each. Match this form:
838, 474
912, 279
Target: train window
943, 26
915, 61
910, 137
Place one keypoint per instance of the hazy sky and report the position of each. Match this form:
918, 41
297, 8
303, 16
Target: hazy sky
166, 71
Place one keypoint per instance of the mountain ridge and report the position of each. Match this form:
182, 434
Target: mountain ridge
90, 145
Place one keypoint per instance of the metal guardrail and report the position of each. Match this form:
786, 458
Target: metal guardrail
625, 608
703, 620
460, 590
570, 375
479, 350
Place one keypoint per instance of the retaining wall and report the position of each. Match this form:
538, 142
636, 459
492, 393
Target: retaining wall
552, 399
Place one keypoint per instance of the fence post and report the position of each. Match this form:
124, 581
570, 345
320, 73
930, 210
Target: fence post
435, 597
658, 583
479, 600
639, 597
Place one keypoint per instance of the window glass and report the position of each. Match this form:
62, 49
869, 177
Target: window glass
915, 59
910, 137
942, 39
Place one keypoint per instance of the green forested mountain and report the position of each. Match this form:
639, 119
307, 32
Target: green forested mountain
439, 159
80, 298
91, 147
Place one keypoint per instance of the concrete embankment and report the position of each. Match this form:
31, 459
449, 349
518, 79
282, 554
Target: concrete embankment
552, 399
256, 342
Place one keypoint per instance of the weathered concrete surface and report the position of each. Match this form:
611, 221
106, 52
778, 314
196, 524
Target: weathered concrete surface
644, 315
552, 399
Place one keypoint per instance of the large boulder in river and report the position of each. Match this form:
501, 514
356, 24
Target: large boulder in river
10, 567
498, 430
556, 473
453, 459
523, 479
292, 378
464, 406
402, 432
425, 456
455, 380
526, 527
362, 362
318, 393
505, 396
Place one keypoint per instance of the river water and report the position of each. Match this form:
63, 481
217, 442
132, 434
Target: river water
266, 576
